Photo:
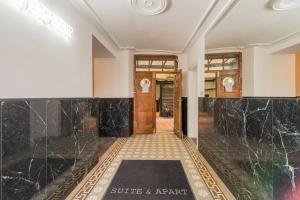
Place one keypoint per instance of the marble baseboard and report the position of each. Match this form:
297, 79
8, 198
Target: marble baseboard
44, 142
253, 144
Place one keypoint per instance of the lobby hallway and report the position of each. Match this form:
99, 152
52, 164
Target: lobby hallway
164, 124
163, 148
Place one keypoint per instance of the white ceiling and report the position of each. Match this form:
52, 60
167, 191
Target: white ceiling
169, 31
253, 22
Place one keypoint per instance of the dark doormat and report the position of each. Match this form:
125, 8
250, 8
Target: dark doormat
150, 180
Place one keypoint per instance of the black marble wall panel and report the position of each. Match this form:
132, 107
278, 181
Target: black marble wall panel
71, 146
23, 149
49, 145
116, 117
1, 105
286, 158
184, 118
79, 112
66, 117
94, 107
253, 144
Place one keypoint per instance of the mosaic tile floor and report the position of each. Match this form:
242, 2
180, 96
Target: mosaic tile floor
164, 146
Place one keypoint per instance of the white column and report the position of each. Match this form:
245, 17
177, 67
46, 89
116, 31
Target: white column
192, 104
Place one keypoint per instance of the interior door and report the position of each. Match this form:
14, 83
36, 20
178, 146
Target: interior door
235, 92
144, 103
177, 104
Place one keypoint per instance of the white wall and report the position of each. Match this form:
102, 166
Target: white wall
113, 77
268, 75
195, 60
201, 71
183, 65
194, 76
36, 63
248, 72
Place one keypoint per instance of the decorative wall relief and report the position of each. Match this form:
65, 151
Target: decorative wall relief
228, 83
145, 84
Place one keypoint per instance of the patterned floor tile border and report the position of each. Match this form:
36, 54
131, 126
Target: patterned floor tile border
82, 190
162, 146
216, 187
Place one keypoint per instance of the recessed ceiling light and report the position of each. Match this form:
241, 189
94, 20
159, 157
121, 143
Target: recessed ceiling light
285, 4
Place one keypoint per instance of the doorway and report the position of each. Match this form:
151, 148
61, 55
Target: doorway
157, 99
164, 102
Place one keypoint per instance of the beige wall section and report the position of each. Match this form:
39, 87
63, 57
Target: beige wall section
113, 77
298, 74
274, 74
268, 75
248, 72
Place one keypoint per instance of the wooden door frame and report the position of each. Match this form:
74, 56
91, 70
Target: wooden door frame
175, 72
153, 85
134, 100
179, 133
240, 70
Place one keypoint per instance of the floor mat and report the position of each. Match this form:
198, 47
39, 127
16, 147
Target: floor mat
150, 180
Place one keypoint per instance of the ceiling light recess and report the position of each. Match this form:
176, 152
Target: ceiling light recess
285, 4
149, 7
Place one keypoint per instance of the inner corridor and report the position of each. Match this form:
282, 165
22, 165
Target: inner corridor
203, 183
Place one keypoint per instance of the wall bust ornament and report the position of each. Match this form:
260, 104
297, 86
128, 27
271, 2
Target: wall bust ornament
149, 7
228, 83
145, 84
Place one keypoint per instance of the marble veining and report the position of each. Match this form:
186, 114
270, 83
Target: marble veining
286, 138
49, 145
253, 144
116, 117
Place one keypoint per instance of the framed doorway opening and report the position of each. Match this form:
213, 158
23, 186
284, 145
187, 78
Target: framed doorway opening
157, 94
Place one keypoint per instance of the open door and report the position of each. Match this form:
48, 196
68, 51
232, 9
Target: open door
177, 104
144, 103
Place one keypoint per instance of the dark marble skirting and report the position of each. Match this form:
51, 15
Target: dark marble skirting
253, 144
49, 145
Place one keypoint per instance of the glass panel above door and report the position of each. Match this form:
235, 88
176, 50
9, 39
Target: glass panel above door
156, 63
